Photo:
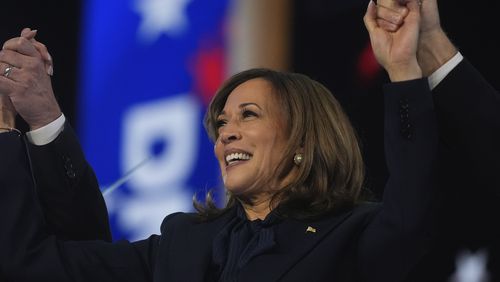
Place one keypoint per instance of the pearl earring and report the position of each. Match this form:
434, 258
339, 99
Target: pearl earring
297, 159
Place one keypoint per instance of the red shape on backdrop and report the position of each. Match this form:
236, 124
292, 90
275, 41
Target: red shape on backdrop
368, 68
208, 71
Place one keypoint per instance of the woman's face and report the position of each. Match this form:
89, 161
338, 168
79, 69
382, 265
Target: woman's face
251, 139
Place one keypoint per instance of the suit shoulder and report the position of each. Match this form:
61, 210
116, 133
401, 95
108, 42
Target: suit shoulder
185, 221
177, 220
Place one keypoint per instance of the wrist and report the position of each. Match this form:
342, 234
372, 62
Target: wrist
405, 72
7, 119
43, 123
45, 120
10, 129
434, 50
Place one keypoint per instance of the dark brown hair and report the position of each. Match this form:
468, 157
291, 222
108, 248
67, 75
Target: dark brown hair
331, 174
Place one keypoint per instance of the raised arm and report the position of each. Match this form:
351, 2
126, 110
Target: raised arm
398, 238
68, 190
468, 115
66, 186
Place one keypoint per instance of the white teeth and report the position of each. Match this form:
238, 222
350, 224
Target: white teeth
237, 157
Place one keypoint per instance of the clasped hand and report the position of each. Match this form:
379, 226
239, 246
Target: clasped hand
25, 84
394, 34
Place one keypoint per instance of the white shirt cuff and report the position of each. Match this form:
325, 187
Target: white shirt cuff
436, 77
48, 133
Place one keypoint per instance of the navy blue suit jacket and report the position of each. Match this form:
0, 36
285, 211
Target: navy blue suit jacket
72, 204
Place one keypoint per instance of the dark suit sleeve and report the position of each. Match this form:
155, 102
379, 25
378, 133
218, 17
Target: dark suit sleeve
468, 114
68, 190
397, 237
468, 111
28, 253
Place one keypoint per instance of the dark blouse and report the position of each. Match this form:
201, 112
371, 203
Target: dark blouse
240, 241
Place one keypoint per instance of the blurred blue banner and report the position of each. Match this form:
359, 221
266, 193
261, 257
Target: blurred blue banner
148, 70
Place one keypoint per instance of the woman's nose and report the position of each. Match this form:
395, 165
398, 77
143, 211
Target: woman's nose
229, 134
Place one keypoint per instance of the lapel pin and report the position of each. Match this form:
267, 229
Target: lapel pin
310, 229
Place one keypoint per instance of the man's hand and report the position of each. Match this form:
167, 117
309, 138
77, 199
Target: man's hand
28, 83
434, 48
430, 22
42, 49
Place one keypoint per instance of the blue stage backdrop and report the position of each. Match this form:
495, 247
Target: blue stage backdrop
148, 71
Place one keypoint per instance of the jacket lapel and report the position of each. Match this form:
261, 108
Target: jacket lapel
294, 240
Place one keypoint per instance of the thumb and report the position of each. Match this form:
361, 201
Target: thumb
370, 17
28, 33
25, 31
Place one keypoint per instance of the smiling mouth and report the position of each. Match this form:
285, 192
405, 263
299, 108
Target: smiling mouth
234, 158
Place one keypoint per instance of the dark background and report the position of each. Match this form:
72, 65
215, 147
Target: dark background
328, 43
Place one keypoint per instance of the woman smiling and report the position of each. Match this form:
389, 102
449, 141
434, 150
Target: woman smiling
296, 141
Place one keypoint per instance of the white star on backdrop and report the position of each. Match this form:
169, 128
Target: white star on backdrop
161, 16
471, 267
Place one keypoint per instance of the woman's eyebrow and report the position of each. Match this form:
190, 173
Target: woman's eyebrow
242, 105
248, 104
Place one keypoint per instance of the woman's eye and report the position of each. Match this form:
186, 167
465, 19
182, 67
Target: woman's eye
248, 113
220, 123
